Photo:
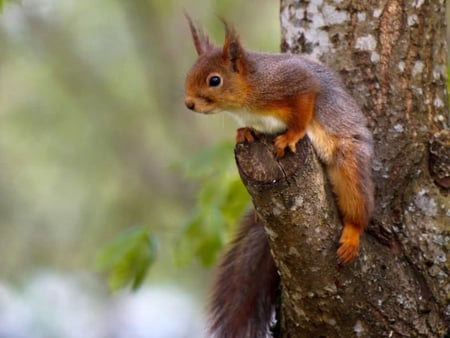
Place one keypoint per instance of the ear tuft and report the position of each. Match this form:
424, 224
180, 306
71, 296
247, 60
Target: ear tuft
232, 48
201, 40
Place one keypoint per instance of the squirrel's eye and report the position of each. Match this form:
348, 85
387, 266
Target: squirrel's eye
214, 81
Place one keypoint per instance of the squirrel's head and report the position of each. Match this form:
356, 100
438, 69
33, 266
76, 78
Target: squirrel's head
217, 81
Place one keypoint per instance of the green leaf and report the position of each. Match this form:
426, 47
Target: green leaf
236, 199
128, 258
221, 200
202, 237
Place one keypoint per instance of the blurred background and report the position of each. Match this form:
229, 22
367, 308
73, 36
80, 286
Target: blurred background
101, 165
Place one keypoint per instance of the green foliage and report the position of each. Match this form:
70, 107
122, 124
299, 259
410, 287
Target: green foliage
92, 116
4, 2
221, 200
448, 78
128, 258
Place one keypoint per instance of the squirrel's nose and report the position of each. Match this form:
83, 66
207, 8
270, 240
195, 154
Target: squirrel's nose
190, 104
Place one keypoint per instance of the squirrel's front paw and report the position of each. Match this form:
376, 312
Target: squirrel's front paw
281, 143
245, 134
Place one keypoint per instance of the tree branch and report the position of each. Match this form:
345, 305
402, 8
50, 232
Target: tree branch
319, 296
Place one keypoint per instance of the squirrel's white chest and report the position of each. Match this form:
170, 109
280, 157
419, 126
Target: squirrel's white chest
263, 123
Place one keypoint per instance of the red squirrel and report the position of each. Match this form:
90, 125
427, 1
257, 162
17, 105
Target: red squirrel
290, 96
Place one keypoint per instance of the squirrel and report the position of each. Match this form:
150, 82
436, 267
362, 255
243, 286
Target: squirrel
291, 96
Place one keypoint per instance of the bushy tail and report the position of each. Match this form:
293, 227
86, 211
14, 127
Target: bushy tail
246, 285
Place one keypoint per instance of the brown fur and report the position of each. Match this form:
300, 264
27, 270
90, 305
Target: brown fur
289, 95
245, 288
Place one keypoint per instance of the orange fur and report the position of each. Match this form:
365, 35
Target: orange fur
324, 142
244, 134
349, 241
345, 179
297, 120
291, 96
288, 96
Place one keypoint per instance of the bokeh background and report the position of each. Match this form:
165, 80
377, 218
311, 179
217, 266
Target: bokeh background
94, 140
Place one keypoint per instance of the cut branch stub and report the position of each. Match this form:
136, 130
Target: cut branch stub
257, 162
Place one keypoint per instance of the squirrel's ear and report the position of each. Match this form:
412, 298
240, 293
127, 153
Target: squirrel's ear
201, 40
233, 50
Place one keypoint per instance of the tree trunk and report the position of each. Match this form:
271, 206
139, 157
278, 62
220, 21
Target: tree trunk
392, 57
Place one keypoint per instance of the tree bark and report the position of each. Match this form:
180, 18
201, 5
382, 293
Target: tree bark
392, 56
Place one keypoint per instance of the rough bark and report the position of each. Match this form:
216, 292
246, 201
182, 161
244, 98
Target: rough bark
392, 57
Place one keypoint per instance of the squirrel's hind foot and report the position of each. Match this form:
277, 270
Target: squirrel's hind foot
349, 241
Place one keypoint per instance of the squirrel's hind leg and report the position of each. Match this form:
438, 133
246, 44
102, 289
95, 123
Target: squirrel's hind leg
352, 184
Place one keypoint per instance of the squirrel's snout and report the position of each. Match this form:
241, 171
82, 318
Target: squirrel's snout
190, 104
